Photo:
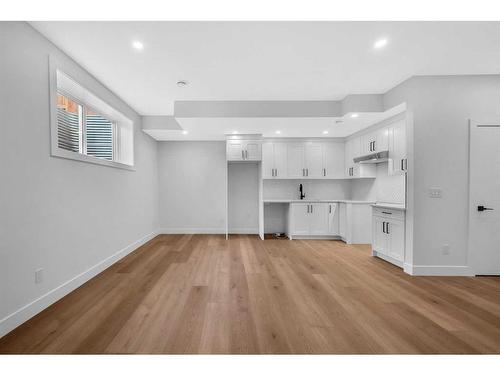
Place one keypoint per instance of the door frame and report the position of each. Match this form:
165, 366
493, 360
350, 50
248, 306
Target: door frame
471, 256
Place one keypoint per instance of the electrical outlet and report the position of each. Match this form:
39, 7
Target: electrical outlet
446, 249
435, 192
38, 275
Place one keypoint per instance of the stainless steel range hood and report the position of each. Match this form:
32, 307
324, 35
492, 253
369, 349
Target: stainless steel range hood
376, 157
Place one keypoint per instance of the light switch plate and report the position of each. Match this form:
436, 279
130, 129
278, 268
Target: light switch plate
38, 275
435, 192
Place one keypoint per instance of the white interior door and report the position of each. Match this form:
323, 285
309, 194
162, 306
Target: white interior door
484, 214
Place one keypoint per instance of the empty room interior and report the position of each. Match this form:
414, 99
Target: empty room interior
260, 187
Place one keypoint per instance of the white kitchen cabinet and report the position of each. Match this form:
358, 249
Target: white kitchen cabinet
300, 219
243, 150
388, 241
319, 219
342, 220
398, 162
356, 170
333, 160
313, 160
333, 219
309, 219
375, 141
380, 240
274, 160
295, 160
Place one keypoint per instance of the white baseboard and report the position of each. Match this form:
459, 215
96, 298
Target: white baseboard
438, 270
192, 231
243, 230
26, 312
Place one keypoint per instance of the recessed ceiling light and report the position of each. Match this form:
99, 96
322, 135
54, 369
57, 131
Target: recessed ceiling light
325, 131
184, 132
380, 43
137, 45
278, 131
354, 115
182, 83
235, 132
339, 121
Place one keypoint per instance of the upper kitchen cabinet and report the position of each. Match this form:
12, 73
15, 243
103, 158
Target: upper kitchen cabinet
398, 162
313, 159
274, 160
333, 160
243, 150
353, 149
375, 141
295, 160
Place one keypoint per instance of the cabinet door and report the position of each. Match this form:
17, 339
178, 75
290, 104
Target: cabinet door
382, 140
397, 147
300, 218
267, 160
342, 220
396, 239
319, 219
380, 240
253, 150
314, 160
367, 143
333, 160
295, 160
333, 221
280, 159
348, 162
235, 150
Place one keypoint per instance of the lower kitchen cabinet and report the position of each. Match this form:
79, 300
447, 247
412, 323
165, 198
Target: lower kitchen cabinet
388, 233
313, 219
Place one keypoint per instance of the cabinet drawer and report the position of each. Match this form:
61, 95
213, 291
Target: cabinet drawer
388, 213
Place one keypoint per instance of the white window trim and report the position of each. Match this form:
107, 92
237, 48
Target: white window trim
54, 66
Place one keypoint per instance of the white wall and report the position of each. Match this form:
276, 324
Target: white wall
384, 188
438, 157
57, 214
192, 180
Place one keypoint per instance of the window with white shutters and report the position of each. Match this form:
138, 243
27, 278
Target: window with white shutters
85, 128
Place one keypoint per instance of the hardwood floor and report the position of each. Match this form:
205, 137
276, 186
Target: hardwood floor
202, 294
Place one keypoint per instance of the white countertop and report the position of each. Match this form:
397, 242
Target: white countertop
316, 201
393, 206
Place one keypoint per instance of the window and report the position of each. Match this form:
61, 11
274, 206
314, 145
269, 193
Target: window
82, 130
85, 128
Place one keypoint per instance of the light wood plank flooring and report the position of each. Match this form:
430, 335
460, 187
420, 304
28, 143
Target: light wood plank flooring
202, 294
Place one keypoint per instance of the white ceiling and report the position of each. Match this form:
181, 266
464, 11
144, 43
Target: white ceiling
269, 60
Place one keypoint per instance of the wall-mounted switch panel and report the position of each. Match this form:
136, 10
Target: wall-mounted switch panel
435, 192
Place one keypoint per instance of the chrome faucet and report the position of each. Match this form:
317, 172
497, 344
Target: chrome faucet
301, 190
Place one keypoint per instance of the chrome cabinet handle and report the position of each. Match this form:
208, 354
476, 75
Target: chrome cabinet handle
330, 209
242, 154
387, 228
311, 208
307, 208
276, 172
383, 227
